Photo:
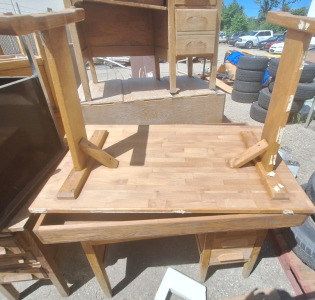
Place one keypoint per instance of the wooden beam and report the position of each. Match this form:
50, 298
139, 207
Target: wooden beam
285, 19
251, 153
26, 24
223, 86
98, 154
288, 75
271, 180
60, 65
74, 183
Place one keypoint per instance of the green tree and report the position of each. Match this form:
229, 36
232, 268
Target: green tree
302, 11
238, 23
265, 6
253, 24
229, 12
285, 4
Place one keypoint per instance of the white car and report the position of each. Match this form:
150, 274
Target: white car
252, 40
276, 48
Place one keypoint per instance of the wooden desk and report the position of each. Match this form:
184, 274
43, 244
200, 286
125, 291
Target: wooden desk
182, 28
172, 180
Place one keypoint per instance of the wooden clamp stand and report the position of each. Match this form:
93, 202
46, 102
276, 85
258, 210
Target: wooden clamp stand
54, 38
298, 37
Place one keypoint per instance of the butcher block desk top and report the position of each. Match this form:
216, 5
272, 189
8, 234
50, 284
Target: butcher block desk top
173, 168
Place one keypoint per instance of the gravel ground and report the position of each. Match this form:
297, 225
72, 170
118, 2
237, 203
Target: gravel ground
136, 269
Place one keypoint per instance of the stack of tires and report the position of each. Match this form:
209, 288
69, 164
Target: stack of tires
248, 78
302, 239
305, 91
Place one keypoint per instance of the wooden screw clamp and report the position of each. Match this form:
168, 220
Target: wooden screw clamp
298, 37
53, 34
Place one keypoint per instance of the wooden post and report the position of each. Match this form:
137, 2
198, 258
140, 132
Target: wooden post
172, 45
60, 64
9, 291
189, 66
79, 57
214, 59
96, 261
297, 41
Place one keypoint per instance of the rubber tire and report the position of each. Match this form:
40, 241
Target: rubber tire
264, 101
242, 97
247, 86
304, 91
302, 241
249, 45
257, 113
254, 63
310, 188
264, 98
307, 75
248, 75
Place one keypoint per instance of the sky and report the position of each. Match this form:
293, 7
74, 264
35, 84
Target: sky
27, 6
251, 8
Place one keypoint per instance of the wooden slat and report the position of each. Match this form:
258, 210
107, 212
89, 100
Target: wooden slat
26, 24
248, 155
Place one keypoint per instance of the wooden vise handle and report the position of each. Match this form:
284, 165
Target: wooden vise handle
298, 37
26, 24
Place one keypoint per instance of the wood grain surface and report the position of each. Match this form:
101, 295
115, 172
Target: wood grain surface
178, 168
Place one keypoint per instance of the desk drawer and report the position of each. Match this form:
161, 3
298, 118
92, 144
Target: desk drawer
226, 240
194, 44
195, 20
233, 255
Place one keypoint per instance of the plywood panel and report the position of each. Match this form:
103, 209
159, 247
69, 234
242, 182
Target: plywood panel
109, 25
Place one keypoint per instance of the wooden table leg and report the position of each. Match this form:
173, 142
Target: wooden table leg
248, 266
9, 291
47, 261
190, 66
95, 258
205, 244
157, 67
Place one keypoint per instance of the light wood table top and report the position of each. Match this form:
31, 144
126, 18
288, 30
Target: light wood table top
173, 168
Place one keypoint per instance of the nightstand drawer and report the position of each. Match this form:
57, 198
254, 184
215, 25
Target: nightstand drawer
195, 20
194, 44
233, 255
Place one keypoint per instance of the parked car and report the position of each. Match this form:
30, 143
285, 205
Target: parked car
261, 45
252, 40
233, 38
276, 48
222, 37
278, 40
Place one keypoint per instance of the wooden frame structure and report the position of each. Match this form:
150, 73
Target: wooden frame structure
169, 168
171, 32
